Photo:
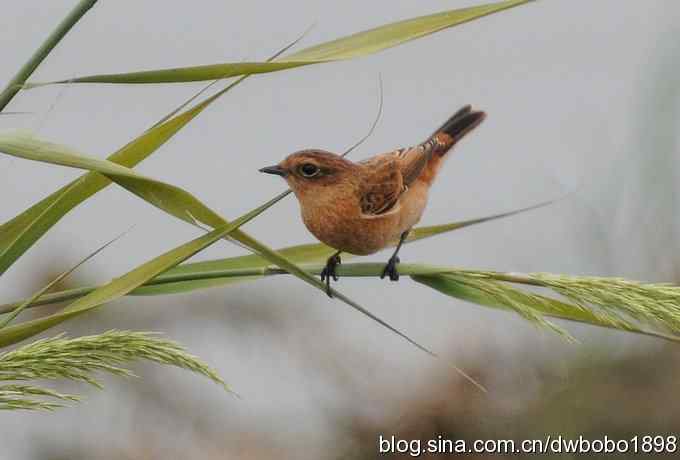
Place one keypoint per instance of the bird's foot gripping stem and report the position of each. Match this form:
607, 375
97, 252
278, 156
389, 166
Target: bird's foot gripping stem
391, 269
329, 272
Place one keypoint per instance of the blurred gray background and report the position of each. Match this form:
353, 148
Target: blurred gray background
582, 100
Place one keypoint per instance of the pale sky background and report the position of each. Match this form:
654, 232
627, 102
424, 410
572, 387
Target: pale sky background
581, 100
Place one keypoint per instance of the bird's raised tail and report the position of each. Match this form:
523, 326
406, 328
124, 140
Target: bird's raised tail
430, 155
456, 127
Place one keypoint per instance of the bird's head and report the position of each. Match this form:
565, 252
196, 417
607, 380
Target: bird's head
312, 173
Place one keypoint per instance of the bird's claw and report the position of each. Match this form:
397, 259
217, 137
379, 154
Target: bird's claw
329, 272
391, 269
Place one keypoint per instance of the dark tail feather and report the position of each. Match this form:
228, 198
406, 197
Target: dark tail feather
456, 127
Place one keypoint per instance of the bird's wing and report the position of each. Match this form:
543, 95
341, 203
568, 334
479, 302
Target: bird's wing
381, 184
413, 160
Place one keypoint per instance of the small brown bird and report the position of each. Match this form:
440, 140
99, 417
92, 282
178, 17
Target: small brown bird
360, 208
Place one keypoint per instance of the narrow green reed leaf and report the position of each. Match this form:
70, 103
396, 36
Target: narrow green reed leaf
126, 283
183, 287
397, 33
420, 233
308, 253
169, 198
44, 50
349, 47
50, 298
22, 232
300, 254
8, 319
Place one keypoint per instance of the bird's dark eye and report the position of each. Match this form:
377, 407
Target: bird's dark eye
309, 170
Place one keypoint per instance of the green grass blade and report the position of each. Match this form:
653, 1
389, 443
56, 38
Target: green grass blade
308, 253
22, 232
9, 318
169, 198
48, 299
173, 200
353, 46
126, 283
427, 232
182, 287
44, 50
397, 33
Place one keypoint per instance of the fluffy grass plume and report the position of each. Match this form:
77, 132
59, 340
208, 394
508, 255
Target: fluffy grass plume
611, 302
654, 303
79, 359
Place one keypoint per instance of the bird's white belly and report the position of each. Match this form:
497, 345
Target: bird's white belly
413, 203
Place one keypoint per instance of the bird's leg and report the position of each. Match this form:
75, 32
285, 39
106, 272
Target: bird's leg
391, 267
329, 271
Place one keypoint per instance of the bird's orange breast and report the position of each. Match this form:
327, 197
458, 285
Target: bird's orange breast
341, 225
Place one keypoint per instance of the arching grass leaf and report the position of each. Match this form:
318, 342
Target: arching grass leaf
38, 295
23, 231
121, 286
353, 46
44, 50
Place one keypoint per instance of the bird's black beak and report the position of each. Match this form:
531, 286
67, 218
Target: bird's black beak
276, 169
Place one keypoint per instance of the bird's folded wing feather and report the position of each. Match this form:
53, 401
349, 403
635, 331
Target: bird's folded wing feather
413, 160
381, 185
